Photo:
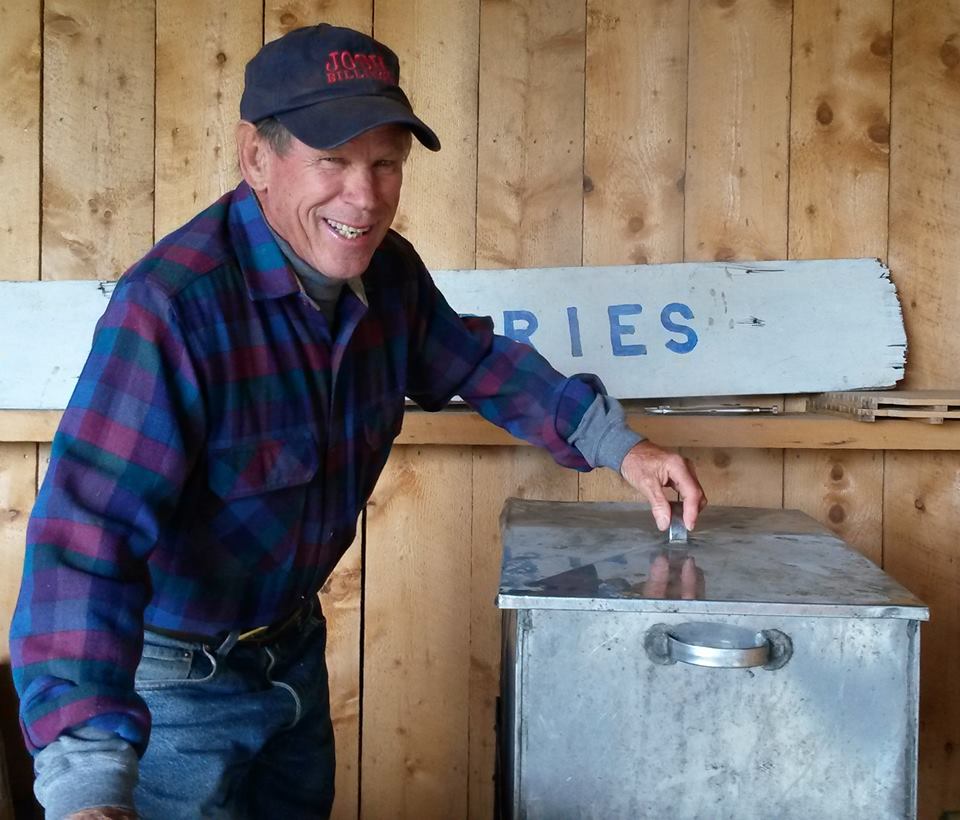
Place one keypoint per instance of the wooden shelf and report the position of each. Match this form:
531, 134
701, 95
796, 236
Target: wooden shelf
787, 430
804, 431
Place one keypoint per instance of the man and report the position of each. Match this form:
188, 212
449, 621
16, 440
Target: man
242, 394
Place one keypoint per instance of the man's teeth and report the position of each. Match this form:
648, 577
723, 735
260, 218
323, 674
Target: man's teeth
347, 231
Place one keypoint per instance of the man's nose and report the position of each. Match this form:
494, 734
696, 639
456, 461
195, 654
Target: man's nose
360, 189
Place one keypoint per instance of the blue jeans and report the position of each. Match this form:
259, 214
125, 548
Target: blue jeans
242, 735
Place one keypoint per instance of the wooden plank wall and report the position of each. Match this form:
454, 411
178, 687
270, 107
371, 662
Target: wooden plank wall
575, 132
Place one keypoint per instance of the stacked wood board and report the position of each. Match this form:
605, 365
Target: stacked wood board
931, 406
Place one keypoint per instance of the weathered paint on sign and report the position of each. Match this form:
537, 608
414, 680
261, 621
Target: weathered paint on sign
689, 329
45, 334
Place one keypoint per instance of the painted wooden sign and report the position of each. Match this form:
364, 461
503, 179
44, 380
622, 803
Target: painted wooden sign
688, 329
701, 329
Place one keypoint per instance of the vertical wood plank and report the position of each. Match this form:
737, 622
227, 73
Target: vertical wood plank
437, 42
843, 490
840, 129
924, 165
839, 187
18, 468
417, 636
636, 116
20, 249
18, 471
97, 137
20, 138
920, 492
530, 185
920, 511
202, 49
281, 16
634, 153
737, 130
736, 180
340, 600
529, 213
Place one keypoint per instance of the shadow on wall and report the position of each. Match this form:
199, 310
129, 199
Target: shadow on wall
16, 765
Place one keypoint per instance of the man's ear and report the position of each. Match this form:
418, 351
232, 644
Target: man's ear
253, 155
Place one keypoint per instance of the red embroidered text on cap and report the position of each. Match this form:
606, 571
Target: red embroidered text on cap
342, 65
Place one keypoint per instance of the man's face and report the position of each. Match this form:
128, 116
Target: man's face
334, 206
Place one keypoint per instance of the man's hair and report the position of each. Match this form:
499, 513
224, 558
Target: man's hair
275, 133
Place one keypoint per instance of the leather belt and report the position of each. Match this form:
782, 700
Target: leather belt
258, 636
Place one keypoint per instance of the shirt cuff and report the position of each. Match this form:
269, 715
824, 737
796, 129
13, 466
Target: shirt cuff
602, 437
84, 769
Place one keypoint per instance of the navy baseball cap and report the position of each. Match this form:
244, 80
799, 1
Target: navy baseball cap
327, 85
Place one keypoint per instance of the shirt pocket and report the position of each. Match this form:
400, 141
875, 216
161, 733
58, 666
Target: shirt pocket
266, 497
285, 459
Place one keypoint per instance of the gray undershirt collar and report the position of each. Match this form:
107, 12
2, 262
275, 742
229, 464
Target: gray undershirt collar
321, 290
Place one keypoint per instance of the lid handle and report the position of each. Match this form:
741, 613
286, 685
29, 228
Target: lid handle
677, 534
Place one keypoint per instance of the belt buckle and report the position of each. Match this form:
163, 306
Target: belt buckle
275, 630
252, 633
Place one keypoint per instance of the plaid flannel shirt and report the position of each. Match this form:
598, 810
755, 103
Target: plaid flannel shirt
220, 444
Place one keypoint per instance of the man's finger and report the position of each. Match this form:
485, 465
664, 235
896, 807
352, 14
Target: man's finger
659, 505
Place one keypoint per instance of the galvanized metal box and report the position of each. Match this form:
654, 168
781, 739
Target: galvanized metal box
762, 670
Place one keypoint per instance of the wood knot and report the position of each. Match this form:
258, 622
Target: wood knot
725, 4
811, 210
721, 459
635, 224
587, 184
288, 19
836, 472
836, 514
879, 133
949, 54
824, 113
724, 254
221, 57
882, 45
918, 503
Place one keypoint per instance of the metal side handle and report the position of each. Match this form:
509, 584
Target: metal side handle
716, 645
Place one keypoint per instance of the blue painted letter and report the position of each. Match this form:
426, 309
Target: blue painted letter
576, 348
673, 327
523, 333
617, 330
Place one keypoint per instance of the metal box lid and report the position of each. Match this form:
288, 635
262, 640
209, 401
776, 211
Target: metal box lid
739, 561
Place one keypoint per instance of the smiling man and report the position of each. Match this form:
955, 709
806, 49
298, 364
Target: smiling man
243, 391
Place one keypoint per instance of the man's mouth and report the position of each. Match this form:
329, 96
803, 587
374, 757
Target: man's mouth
346, 231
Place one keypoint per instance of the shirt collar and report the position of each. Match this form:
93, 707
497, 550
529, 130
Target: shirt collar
267, 270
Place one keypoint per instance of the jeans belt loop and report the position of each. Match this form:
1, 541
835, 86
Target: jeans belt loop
228, 643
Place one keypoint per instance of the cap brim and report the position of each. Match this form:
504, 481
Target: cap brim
331, 123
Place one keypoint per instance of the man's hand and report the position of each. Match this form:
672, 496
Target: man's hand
648, 469
104, 813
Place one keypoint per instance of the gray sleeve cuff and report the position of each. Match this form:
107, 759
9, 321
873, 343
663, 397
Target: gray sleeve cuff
84, 769
602, 437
